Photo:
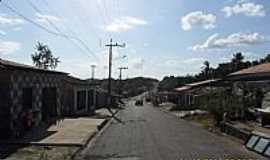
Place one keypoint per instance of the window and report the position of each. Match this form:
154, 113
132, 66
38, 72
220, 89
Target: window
27, 100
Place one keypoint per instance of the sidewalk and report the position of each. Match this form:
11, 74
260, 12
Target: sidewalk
59, 141
71, 132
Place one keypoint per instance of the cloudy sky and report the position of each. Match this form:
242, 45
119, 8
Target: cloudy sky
162, 37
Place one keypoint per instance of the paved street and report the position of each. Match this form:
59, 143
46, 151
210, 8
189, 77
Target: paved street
150, 134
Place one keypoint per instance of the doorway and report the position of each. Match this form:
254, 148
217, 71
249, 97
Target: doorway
49, 103
4, 113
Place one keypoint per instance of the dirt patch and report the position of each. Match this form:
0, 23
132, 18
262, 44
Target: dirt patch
206, 121
43, 153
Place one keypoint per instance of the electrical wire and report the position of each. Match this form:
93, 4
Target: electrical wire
103, 15
83, 22
59, 34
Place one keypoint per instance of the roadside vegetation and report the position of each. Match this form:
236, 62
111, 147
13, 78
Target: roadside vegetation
222, 101
237, 63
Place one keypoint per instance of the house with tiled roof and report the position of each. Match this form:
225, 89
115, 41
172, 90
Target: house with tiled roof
254, 81
190, 93
255, 73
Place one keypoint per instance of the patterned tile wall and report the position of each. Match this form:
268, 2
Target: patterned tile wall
37, 81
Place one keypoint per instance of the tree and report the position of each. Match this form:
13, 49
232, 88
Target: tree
238, 58
237, 61
43, 57
266, 59
206, 72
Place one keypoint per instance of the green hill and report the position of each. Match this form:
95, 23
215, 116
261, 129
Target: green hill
130, 87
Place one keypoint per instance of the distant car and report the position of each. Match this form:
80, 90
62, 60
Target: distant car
139, 102
148, 99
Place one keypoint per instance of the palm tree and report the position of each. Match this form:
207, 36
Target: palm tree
238, 58
206, 70
43, 57
237, 62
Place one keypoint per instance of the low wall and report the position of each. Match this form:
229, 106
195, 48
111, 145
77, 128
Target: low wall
236, 132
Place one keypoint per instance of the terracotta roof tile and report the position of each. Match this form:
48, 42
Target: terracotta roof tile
195, 84
261, 68
181, 89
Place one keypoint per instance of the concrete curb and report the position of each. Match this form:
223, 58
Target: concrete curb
92, 139
84, 143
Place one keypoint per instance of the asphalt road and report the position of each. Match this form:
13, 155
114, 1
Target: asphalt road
150, 134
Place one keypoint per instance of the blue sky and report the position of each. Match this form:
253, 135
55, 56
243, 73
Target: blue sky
163, 37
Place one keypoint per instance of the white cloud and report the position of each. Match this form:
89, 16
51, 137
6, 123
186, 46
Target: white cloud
198, 18
194, 61
233, 40
7, 47
124, 24
43, 19
9, 21
146, 44
183, 62
182, 66
246, 8
3, 33
17, 29
137, 63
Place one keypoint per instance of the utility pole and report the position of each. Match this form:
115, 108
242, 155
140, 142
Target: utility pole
93, 67
111, 45
120, 79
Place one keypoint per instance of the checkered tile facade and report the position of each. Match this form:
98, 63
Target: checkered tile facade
37, 81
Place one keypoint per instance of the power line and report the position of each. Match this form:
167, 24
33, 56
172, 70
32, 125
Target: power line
103, 15
111, 45
56, 13
67, 26
118, 8
120, 79
50, 22
61, 32
46, 29
105, 10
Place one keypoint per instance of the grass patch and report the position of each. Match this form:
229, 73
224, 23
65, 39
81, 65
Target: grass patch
207, 121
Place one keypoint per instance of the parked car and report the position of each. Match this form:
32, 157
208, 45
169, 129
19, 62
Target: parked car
148, 99
139, 102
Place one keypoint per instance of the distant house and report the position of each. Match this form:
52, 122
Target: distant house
166, 96
254, 80
102, 98
79, 96
192, 93
28, 97
184, 97
253, 85
256, 73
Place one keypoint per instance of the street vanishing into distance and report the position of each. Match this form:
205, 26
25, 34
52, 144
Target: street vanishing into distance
134, 79
147, 133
